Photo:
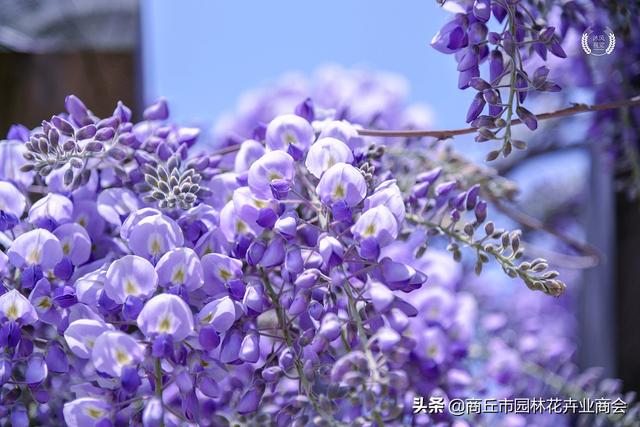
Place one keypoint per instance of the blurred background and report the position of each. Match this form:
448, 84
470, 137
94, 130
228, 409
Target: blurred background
203, 56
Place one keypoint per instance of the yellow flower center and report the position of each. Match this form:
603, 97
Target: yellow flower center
370, 230
165, 325
432, 350
339, 192
12, 312
156, 246
94, 412
34, 256
178, 276
122, 357
45, 302
207, 319
131, 288
225, 274
274, 175
289, 138
241, 227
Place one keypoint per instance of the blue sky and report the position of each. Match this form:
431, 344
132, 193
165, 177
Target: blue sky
203, 54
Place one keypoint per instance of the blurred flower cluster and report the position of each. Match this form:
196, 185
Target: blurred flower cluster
359, 96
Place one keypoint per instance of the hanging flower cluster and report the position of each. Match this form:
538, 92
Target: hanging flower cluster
524, 36
143, 284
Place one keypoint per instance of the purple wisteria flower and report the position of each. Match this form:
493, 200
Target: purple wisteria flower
219, 270
166, 314
272, 171
221, 314
289, 133
342, 131
86, 412
75, 241
376, 228
12, 160
278, 279
14, 307
154, 235
12, 201
342, 182
180, 267
51, 211
387, 194
37, 247
115, 350
81, 336
250, 151
130, 276
326, 152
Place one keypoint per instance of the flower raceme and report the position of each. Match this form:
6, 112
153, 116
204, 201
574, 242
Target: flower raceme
158, 286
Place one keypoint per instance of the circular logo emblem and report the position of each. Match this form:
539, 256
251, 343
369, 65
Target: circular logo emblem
598, 41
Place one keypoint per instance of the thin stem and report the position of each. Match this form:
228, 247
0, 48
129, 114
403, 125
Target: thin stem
158, 386
542, 282
512, 88
282, 320
592, 254
365, 345
444, 134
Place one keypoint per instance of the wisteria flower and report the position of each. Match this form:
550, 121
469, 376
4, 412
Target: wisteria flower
166, 314
377, 223
249, 207
115, 350
51, 211
233, 227
342, 182
86, 412
11, 199
11, 162
222, 187
343, 131
155, 235
76, 244
250, 151
130, 276
220, 314
275, 167
14, 307
326, 152
218, 271
114, 204
289, 132
37, 247
81, 336
42, 300
387, 194
180, 267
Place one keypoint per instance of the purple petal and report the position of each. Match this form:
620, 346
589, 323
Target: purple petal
36, 370
166, 314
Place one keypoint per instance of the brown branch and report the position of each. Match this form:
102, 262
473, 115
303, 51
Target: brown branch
589, 257
444, 134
